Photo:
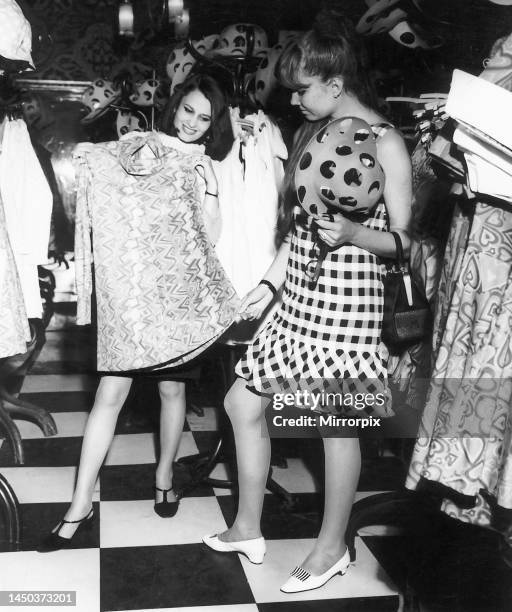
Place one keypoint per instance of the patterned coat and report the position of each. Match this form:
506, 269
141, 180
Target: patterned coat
162, 296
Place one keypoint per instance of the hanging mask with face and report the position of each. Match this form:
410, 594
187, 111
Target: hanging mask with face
339, 171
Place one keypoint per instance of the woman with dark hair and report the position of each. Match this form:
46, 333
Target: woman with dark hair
196, 119
327, 330
218, 138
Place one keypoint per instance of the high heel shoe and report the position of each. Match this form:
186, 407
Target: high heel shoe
166, 509
253, 549
302, 580
53, 541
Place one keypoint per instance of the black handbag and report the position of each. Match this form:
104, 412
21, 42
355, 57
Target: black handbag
407, 318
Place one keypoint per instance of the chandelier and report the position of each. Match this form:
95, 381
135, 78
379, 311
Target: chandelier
173, 19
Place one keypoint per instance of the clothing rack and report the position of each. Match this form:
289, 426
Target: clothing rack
405, 508
11, 369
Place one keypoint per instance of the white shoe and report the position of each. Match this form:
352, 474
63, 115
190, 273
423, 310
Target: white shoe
253, 549
301, 580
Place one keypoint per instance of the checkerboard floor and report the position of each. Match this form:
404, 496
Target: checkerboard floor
134, 560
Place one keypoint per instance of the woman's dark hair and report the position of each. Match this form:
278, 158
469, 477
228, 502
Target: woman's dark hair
219, 138
331, 48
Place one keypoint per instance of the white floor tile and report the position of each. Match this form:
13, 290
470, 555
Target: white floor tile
364, 494
131, 449
221, 472
364, 579
234, 608
134, 523
380, 530
208, 422
35, 383
296, 478
69, 424
36, 485
187, 445
66, 570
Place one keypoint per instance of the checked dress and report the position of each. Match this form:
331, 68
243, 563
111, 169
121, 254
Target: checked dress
325, 337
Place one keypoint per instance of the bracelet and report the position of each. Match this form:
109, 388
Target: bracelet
269, 285
215, 195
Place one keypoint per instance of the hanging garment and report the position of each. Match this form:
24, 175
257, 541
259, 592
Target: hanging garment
497, 67
27, 202
14, 330
162, 296
464, 446
248, 197
15, 34
464, 443
410, 370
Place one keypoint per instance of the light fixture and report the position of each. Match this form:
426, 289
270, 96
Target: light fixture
182, 24
175, 8
172, 12
126, 18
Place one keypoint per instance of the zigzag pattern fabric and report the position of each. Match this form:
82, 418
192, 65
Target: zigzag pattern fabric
162, 295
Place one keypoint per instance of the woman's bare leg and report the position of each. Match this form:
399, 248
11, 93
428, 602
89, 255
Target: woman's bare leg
247, 413
172, 417
99, 432
342, 470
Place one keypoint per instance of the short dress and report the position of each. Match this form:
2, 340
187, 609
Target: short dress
327, 336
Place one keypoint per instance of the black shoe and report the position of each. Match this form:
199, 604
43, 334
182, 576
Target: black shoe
53, 541
165, 508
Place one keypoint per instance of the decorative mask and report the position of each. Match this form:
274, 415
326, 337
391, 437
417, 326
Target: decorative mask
234, 40
98, 97
149, 93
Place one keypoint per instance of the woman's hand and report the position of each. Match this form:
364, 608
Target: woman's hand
207, 173
255, 303
336, 232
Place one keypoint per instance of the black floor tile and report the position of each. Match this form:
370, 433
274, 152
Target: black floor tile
141, 412
133, 482
357, 604
207, 441
392, 553
130, 422
63, 366
45, 452
170, 576
39, 519
278, 522
62, 401
127, 482
382, 474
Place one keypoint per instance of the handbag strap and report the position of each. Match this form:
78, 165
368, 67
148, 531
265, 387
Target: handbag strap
404, 268
399, 249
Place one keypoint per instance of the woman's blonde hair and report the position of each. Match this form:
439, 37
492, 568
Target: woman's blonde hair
331, 48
